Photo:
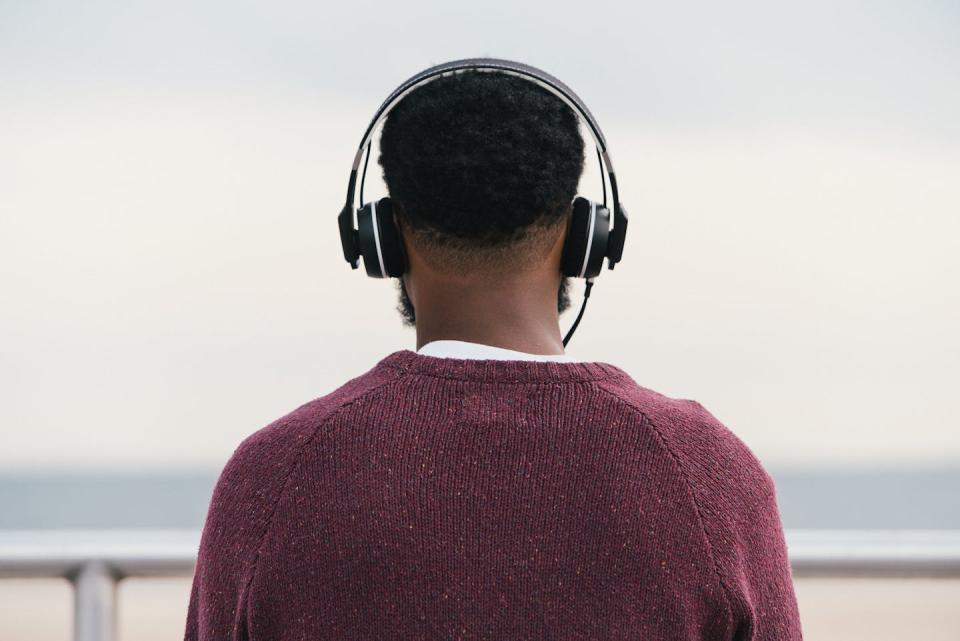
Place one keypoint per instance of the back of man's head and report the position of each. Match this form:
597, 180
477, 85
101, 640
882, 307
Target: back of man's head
481, 168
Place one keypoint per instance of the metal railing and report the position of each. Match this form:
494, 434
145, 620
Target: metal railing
95, 561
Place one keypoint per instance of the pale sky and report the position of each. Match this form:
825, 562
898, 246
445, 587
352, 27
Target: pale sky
170, 178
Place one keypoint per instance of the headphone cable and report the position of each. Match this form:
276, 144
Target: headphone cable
586, 295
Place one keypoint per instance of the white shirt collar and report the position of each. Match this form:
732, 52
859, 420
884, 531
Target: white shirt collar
464, 349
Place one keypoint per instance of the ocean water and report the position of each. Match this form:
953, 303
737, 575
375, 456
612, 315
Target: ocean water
808, 499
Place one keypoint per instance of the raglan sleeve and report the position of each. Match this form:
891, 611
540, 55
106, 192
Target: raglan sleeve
226, 555
239, 514
741, 514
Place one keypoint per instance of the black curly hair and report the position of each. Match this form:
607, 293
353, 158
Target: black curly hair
478, 161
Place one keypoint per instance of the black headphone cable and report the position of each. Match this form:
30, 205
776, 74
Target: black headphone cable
586, 295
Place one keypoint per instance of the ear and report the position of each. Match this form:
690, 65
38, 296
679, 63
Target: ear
402, 233
401, 230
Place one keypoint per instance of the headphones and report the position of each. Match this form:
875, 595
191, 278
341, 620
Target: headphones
590, 237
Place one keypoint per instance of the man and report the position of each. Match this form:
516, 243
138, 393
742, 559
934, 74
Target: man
487, 486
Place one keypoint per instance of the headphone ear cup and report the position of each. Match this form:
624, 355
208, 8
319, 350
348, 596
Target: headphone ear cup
391, 245
587, 239
379, 240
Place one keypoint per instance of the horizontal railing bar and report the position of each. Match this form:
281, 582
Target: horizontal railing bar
128, 553
156, 553
874, 553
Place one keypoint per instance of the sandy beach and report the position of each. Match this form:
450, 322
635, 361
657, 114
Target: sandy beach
831, 609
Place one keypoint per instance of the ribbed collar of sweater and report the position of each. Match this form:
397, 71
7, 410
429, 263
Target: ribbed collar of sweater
449, 348
500, 371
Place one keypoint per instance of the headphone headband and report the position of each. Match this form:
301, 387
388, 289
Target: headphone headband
542, 78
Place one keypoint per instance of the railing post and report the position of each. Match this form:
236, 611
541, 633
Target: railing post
95, 594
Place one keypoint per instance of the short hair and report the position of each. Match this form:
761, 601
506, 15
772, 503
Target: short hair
481, 164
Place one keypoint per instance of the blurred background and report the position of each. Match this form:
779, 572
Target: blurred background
172, 279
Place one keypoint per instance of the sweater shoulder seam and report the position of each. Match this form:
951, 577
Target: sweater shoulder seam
645, 419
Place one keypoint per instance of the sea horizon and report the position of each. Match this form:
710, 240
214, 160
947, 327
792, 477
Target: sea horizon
881, 498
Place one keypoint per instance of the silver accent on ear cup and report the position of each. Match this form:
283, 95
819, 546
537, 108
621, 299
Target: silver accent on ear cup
593, 222
376, 236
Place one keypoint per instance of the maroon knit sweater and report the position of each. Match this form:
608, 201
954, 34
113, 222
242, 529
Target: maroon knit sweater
442, 499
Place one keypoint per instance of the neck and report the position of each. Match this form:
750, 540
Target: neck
521, 316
